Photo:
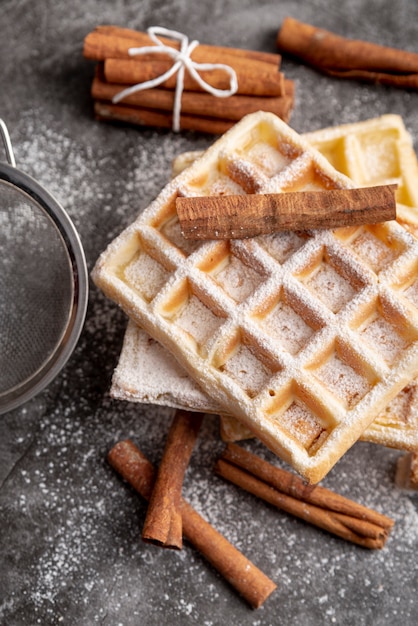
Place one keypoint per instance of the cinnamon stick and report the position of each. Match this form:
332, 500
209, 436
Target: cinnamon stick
348, 58
241, 573
163, 521
314, 504
407, 471
255, 77
252, 80
142, 39
139, 116
194, 103
241, 216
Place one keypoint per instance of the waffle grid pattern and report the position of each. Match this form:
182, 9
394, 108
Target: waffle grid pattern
303, 337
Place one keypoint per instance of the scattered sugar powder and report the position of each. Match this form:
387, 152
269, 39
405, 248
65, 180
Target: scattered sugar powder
237, 279
146, 275
198, 320
83, 186
330, 287
383, 335
247, 370
412, 293
282, 245
301, 423
270, 160
343, 381
373, 251
286, 325
88, 550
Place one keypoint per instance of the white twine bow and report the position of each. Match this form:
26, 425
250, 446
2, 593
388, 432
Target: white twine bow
181, 62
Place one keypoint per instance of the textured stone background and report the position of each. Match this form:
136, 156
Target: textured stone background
70, 546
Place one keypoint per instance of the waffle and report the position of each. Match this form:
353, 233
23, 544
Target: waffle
375, 152
397, 425
135, 380
304, 337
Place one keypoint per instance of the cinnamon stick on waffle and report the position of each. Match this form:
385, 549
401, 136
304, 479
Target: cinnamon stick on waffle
242, 216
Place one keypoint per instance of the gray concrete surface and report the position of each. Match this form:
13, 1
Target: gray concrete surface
70, 545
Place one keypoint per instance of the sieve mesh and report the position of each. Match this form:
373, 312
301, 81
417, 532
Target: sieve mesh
36, 287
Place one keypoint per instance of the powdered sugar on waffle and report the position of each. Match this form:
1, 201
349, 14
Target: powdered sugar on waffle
287, 376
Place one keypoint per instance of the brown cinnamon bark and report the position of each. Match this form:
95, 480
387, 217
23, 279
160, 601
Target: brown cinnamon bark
143, 39
255, 76
242, 574
241, 216
252, 80
139, 116
194, 103
348, 58
314, 504
163, 521
407, 471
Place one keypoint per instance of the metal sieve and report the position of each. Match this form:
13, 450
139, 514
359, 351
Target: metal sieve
43, 284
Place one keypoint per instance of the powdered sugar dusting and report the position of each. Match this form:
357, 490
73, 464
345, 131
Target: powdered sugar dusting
331, 287
282, 245
412, 293
301, 423
70, 545
380, 332
285, 324
332, 270
237, 279
342, 380
373, 251
247, 370
198, 320
146, 275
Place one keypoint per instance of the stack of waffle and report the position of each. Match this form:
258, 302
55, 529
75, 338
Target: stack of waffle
310, 339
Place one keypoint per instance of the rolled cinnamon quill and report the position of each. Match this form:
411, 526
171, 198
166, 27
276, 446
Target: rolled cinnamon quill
163, 524
314, 504
348, 58
215, 53
242, 216
140, 116
255, 76
241, 573
252, 80
194, 103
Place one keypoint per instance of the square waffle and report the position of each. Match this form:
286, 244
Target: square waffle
304, 337
375, 151
378, 151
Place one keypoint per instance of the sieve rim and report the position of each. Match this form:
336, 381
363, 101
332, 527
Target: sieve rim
53, 364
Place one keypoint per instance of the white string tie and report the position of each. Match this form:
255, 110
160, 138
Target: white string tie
181, 63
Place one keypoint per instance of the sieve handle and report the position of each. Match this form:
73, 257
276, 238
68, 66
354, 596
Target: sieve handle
7, 143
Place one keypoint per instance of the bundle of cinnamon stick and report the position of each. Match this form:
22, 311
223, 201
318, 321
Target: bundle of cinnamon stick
261, 84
